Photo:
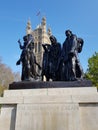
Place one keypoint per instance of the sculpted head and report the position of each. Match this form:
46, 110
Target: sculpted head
68, 33
53, 39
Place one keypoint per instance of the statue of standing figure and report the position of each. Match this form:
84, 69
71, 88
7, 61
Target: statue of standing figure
50, 59
71, 69
28, 59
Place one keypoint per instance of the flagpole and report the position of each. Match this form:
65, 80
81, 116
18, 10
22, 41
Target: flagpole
39, 16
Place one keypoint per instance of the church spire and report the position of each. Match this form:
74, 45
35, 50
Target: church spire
43, 23
28, 28
49, 32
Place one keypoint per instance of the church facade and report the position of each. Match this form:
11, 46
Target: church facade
41, 36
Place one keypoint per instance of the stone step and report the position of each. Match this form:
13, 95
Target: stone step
51, 91
92, 98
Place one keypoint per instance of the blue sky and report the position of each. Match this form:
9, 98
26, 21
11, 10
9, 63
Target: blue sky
80, 16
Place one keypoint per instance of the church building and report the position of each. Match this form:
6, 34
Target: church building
41, 36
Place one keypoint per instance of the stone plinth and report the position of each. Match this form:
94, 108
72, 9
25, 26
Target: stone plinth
70, 108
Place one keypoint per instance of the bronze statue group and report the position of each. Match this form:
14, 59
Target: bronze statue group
58, 64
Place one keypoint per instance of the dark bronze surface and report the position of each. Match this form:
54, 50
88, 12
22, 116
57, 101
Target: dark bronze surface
57, 84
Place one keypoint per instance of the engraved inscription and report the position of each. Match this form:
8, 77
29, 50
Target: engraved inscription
50, 107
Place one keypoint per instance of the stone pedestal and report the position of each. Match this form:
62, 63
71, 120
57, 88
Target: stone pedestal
71, 108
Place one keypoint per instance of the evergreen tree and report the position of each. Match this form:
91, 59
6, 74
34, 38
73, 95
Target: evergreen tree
92, 71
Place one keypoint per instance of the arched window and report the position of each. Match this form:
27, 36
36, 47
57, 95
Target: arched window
39, 47
35, 47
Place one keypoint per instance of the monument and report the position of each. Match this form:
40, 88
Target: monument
66, 101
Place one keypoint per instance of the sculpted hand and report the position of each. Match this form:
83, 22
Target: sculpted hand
19, 41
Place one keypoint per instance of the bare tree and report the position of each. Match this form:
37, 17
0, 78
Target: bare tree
7, 76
